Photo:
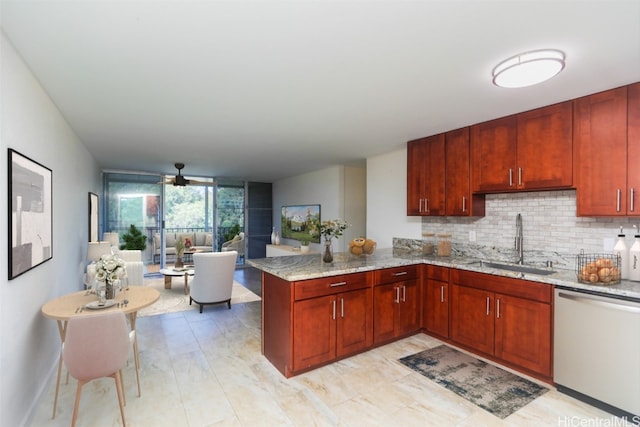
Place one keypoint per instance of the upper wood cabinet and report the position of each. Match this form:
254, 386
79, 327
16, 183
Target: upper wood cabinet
526, 151
459, 201
606, 155
425, 176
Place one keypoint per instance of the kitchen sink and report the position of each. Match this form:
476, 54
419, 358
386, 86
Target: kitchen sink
514, 267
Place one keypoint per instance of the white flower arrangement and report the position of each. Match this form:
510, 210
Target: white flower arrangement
333, 228
110, 268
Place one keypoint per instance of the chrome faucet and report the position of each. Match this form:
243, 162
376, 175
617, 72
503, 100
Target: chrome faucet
519, 244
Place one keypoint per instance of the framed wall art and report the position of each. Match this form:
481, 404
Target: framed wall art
93, 217
30, 216
301, 222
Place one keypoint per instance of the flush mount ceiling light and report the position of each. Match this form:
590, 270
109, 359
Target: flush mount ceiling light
529, 68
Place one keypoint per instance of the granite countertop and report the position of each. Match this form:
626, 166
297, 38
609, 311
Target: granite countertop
303, 267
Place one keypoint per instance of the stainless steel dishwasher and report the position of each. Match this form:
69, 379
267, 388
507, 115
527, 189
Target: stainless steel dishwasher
597, 350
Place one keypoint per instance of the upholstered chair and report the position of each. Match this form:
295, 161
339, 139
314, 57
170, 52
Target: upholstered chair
212, 281
97, 346
235, 244
135, 266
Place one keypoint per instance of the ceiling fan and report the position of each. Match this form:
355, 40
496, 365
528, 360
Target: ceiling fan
180, 181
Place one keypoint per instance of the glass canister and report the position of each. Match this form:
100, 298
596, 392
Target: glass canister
428, 243
444, 244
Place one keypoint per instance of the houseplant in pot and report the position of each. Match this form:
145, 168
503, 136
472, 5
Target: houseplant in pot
304, 244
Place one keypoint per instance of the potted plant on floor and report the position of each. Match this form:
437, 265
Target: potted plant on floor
134, 239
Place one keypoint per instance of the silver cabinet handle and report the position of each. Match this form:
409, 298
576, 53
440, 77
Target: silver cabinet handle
618, 197
633, 199
333, 285
487, 306
400, 273
334, 309
464, 204
404, 293
420, 205
397, 300
442, 293
510, 177
498, 308
519, 176
342, 307
426, 204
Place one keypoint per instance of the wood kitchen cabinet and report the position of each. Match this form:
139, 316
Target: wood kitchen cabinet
435, 304
459, 201
526, 151
607, 153
309, 323
396, 305
507, 319
426, 176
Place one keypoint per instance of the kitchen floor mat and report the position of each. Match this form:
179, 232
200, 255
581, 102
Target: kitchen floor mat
493, 389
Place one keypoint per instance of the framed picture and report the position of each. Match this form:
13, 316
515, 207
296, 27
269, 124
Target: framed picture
93, 217
301, 222
30, 218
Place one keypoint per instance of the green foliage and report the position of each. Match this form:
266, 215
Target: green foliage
134, 239
232, 232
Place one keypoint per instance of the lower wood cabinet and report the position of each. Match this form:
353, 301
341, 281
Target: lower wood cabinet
435, 303
329, 327
509, 319
396, 303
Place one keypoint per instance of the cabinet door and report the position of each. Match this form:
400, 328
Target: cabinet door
314, 331
493, 155
385, 312
458, 198
472, 318
600, 153
436, 307
354, 321
545, 148
416, 176
633, 150
409, 308
425, 176
523, 333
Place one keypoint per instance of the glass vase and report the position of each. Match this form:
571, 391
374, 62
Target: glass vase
327, 253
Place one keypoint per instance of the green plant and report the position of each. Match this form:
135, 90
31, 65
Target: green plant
232, 232
304, 240
134, 239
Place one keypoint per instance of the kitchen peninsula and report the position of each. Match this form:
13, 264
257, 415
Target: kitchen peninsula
314, 313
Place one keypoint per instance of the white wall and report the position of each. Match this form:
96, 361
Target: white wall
339, 190
31, 124
387, 200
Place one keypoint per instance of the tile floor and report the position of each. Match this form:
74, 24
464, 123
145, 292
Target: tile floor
207, 370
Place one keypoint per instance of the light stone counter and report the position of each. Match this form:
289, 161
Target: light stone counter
303, 267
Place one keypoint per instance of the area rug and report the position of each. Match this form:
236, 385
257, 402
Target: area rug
487, 386
174, 300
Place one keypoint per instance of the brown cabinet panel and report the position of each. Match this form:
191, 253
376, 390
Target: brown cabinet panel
459, 201
544, 150
384, 312
436, 307
314, 332
600, 153
633, 149
493, 155
330, 285
391, 275
409, 308
355, 327
426, 176
523, 333
472, 318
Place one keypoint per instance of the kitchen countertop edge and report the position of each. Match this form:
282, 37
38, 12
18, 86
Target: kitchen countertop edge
305, 267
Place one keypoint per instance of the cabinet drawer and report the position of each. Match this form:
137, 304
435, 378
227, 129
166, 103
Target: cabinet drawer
505, 285
435, 272
396, 274
329, 285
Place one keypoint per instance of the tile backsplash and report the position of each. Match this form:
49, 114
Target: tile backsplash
551, 229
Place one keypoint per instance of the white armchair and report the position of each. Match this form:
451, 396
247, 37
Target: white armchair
212, 281
135, 266
235, 244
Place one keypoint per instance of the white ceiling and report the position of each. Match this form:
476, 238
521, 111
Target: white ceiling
269, 89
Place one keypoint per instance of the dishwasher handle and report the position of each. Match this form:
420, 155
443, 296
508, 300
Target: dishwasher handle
619, 305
